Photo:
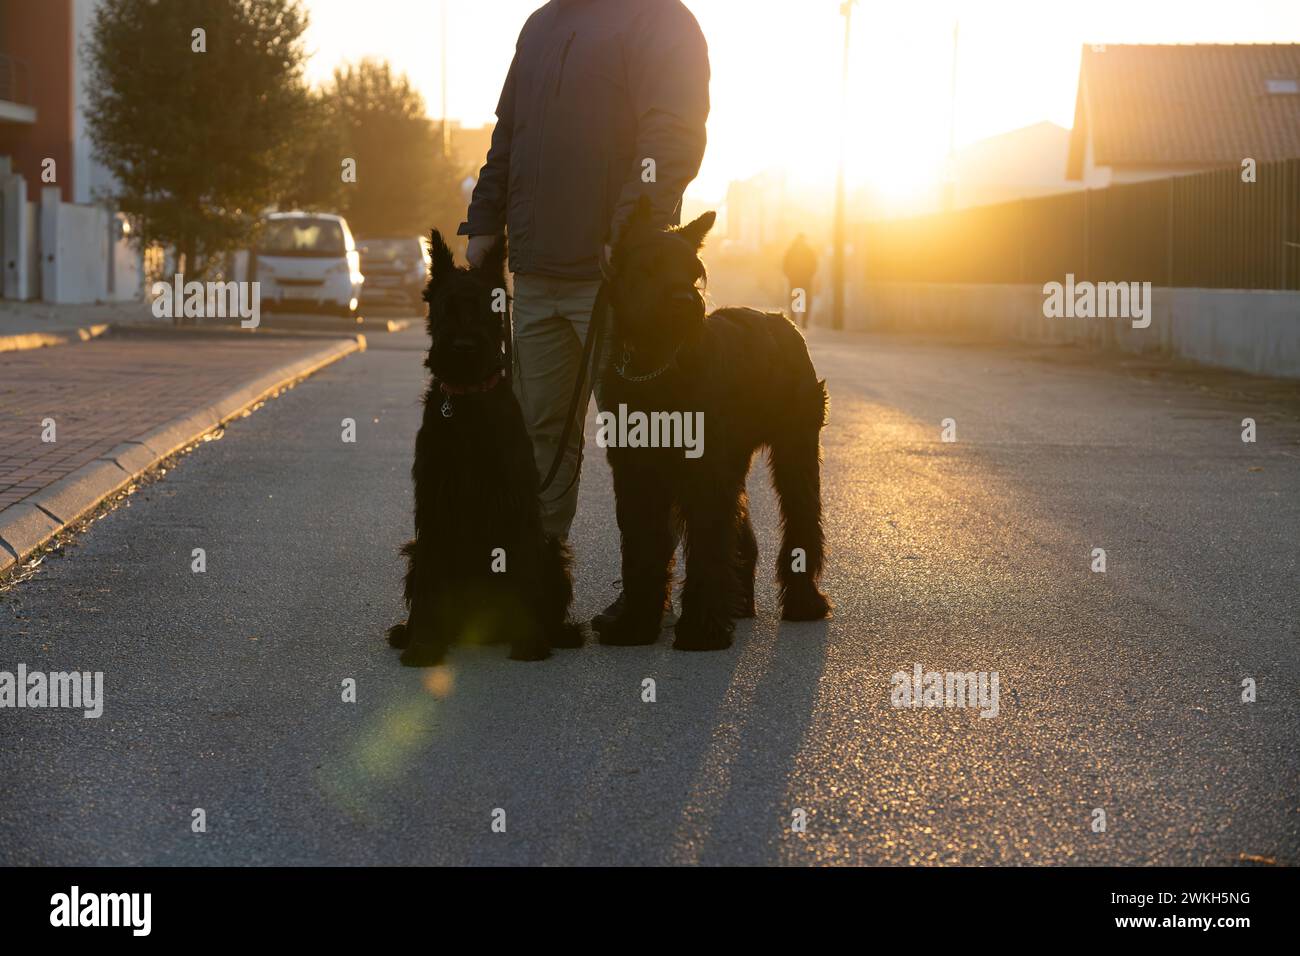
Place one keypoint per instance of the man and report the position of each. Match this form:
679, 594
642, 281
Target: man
800, 266
605, 101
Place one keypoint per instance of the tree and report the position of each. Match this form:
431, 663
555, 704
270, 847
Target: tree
322, 146
404, 185
195, 107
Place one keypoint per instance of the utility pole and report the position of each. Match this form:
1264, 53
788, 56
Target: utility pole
446, 132
950, 178
837, 265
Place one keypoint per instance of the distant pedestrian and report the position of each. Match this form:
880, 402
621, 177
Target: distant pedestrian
800, 267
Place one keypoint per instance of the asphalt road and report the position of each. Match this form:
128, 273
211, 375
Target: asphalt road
1119, 691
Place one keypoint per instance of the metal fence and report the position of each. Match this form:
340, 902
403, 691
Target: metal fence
1206, 230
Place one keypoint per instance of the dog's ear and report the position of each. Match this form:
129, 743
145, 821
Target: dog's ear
444, 264
493, 266
694, 232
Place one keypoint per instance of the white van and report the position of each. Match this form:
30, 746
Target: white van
308, 262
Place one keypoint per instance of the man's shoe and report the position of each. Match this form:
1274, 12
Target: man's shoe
607, 616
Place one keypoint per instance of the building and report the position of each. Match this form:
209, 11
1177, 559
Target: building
42, 95
757, 211
1152, 111
59, 240
1025, 162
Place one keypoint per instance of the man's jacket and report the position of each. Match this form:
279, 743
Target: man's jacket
596, 88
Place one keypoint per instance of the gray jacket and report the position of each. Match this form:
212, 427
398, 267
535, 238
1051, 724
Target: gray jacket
596, 88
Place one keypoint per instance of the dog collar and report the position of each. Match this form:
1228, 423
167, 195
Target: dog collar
448, 390
489, 383
621, 368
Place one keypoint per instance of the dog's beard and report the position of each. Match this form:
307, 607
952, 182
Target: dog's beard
652, 345
464, 370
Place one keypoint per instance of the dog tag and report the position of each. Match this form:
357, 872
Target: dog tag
446, 407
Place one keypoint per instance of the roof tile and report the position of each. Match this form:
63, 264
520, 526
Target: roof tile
1193, 105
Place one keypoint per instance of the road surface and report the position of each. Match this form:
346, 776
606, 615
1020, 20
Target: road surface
1120, 691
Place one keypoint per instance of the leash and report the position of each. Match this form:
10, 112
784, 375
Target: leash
508, 343
595, 332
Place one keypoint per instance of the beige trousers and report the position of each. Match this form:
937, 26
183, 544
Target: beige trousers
551, 318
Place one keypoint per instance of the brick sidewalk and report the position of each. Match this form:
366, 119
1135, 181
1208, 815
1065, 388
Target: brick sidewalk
104, 392
17, 318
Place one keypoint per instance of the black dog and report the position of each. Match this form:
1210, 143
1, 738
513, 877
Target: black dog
750, 375
480, 567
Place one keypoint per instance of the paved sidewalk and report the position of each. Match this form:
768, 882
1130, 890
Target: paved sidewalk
32, 325
121, 404
43, 318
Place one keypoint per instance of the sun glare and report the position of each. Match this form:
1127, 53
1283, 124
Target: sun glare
776, 85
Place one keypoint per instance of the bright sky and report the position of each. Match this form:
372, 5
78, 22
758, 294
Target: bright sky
776, 69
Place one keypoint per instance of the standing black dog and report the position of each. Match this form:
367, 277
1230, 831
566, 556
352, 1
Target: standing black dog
750, 375
480, 567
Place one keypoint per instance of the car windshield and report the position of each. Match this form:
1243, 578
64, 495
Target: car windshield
390, 250
302, 237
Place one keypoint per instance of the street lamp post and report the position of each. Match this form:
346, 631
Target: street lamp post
446, 132
837, 265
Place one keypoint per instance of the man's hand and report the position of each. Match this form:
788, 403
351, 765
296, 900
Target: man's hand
477, 249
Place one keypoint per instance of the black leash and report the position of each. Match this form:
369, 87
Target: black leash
508, 344
595, 332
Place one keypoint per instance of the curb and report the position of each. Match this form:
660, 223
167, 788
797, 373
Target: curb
27, 525
22, 341
273, 323
228, 332
37, 340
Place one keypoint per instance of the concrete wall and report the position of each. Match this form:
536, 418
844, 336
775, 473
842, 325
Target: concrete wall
64, 252
126, 264
1246, 330
74, 250
1253, 331
19, 276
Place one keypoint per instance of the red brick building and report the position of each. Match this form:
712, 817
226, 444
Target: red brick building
37, 92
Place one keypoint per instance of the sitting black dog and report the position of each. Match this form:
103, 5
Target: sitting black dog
747, 378
480, 567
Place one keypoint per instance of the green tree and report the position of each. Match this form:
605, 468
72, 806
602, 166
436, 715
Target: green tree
322, 146
199, 130
404, 185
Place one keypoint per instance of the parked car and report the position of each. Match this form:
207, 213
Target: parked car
396, 270
308, 262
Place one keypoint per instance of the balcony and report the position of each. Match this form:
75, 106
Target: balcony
15, 92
